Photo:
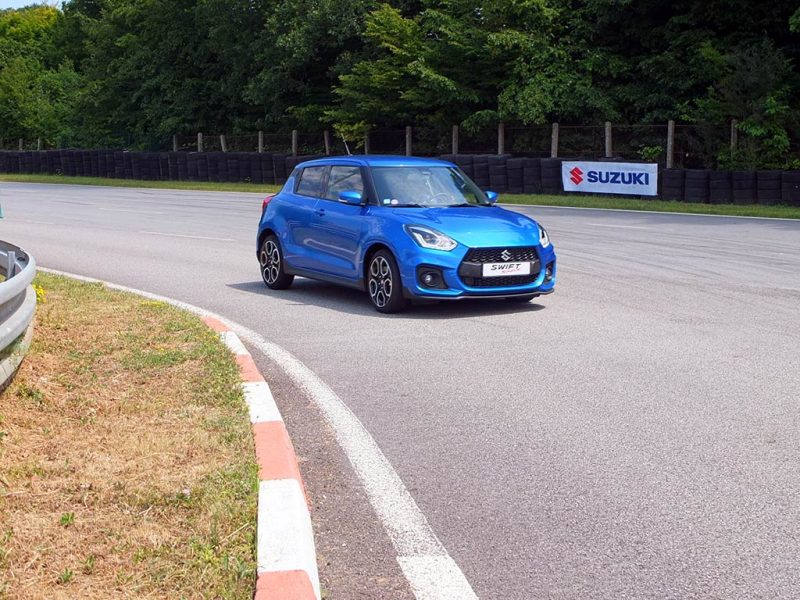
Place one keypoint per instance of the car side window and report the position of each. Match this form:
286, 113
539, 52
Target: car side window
342, 179
310, 183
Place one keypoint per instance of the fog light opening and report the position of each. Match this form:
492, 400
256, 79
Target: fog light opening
431, 278
548, 272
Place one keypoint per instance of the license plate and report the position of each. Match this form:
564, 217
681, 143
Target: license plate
506, 269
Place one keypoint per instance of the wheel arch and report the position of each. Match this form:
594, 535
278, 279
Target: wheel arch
370, 252
261, 237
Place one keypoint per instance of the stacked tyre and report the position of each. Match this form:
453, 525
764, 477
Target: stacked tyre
172, 167
790, 188
551, 175
695, 186
279, 168
498, 180
480, 170
253, 171
514, 168
672, 184
720, 187
202, 168
217, 166
181, 159
768, 187
532, 176
744, 187
267, 168
465, 163
191, 166
234, 167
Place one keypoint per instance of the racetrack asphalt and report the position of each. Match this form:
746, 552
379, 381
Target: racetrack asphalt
634, 435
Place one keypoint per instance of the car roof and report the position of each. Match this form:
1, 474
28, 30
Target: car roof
377, 160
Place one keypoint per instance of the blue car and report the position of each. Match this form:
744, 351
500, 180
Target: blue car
400, 228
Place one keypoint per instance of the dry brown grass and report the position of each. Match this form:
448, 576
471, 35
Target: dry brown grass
126, 459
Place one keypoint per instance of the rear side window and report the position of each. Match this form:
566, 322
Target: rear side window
310, 183
344, 179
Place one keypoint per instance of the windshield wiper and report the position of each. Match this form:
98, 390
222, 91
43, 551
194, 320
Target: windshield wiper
462, 204
407, 205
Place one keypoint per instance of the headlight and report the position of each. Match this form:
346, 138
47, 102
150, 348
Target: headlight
544, 240
430, 238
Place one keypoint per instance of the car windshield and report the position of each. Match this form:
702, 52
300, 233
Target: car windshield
425, 186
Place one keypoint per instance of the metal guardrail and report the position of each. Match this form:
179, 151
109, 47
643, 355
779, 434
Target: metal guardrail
17, 307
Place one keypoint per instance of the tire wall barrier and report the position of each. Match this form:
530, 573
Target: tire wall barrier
503, 174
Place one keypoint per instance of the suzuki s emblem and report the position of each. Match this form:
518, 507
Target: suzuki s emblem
505, 255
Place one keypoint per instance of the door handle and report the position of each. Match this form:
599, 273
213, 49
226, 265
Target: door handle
320, 212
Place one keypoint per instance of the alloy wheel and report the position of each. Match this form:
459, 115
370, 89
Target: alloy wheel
270, 259
380, 281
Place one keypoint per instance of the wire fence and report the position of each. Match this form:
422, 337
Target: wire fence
693, 145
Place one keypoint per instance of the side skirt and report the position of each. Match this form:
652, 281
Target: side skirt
357, 284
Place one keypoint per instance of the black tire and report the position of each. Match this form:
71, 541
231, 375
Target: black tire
270, 260
521, 299
384, 286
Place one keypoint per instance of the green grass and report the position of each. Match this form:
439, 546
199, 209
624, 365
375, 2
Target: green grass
576, 201
204, 186
568, 200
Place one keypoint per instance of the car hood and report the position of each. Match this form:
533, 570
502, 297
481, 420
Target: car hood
476, 226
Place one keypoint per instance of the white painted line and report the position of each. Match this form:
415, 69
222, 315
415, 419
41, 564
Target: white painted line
191, 237
435, 578
406, 526
234, 344
285, 538
259, 400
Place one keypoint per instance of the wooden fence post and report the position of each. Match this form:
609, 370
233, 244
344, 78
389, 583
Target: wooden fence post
326, 137
199, 142
21, 144
554, 141
670, 143
223, 142
501, 138
609, 144
294, 142
734, 134
408, 140
39, 144
175, 142
366, 140
455, 139
260, 141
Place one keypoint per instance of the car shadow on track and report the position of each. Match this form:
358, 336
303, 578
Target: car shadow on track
325, 295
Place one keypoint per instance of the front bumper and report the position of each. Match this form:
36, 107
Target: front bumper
456, 286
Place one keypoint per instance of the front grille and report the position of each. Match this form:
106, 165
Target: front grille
486, 282
494, 255
471, 268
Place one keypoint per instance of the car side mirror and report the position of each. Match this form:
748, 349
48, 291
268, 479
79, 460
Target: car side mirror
491, 196
350, 197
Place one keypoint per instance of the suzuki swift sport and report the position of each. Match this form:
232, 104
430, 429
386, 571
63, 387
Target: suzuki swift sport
400, 228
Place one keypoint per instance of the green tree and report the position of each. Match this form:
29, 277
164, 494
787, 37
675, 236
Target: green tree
301, 49
38, 84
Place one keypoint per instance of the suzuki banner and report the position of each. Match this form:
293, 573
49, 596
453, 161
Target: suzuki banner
631, 179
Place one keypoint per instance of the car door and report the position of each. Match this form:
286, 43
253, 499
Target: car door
299, 215
338, 227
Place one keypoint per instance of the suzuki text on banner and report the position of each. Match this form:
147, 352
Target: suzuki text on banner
630, 179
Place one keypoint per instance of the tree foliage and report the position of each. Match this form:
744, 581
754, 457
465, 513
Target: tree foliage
133, 72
